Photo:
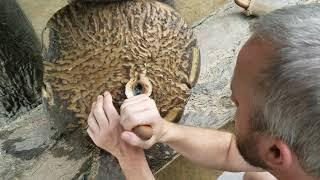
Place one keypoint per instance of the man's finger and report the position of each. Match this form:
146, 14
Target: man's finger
90, 133
93, 105
134, 98
109, 109
147, 144
131, 111
99, 114
131, 121
92, 123
132, 139
131, 102
134, 108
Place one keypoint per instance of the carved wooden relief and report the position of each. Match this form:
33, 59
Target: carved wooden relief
127, 48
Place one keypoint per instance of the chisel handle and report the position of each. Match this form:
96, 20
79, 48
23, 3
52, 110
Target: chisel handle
144, 132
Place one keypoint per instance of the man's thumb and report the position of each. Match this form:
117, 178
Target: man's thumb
132, 139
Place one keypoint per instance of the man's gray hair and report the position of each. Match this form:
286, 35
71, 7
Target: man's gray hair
290, 86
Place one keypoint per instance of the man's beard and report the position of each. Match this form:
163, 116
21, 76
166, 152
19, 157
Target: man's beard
247, 146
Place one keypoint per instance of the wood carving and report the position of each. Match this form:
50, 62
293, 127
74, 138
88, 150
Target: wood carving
127, 48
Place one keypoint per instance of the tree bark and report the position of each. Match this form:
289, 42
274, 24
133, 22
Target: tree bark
20, 61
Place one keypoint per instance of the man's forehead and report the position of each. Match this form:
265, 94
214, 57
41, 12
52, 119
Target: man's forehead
252, 58
255, 51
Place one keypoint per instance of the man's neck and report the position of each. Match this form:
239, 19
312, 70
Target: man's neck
297, 175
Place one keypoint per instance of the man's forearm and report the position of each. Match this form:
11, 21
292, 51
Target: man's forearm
207, 147
136, 169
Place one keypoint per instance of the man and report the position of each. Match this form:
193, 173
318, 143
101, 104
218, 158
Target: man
276, 88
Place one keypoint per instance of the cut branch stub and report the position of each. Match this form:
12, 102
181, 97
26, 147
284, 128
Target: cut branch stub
128, 47
135, 86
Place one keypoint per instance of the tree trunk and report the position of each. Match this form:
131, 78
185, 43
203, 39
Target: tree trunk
20, 61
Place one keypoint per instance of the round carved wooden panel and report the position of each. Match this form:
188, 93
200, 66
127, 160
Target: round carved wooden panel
127, 48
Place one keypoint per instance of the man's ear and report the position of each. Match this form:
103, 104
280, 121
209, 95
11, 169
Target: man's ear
277, 154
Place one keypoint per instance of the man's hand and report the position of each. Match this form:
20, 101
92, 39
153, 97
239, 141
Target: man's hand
105, 130
137, 111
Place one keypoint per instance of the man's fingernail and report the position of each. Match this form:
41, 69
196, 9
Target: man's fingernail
106, 93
